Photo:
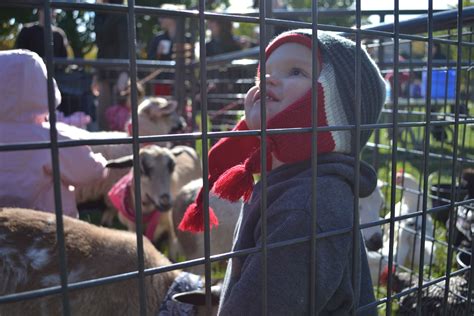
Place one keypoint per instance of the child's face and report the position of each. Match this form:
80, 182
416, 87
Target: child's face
288, 78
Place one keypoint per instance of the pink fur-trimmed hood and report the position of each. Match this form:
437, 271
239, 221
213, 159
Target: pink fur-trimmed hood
23, 87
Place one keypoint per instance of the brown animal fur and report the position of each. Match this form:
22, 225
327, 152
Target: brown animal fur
29, 261
191, 245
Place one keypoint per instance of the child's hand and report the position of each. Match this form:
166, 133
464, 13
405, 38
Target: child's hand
95, 86
252, 108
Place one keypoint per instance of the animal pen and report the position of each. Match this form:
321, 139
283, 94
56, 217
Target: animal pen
425, 131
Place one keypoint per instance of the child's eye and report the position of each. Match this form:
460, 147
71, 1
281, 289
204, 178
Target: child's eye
297, 72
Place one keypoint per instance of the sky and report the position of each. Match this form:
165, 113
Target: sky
407, 4
404, 5
242, 5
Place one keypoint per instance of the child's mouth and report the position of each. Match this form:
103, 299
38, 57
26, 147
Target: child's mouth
270, 97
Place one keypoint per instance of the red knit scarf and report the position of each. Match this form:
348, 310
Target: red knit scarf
234, 160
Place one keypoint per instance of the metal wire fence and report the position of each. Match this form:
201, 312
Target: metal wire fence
425, 129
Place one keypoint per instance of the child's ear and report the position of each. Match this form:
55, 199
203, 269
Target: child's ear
170, 107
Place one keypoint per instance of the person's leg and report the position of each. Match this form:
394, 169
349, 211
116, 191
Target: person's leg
104, 101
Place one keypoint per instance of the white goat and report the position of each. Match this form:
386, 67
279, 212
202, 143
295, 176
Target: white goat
29, 261
377, 264
163, 173
191, 245
369, 211
407, 232
407, 241
156, 116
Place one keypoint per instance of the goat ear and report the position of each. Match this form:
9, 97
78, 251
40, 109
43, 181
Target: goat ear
161, 107
177, 151
170, 107
120, 163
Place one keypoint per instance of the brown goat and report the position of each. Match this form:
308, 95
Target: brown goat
29, 261
163, 173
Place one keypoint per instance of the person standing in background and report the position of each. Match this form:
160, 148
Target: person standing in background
31, 37
161, 48
222, 38
111, 31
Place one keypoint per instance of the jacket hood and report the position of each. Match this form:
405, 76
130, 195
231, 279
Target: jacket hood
23, 87
343, 166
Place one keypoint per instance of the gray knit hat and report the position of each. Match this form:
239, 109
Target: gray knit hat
338, 60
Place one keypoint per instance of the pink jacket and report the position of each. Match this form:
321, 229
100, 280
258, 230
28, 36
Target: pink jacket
26, 177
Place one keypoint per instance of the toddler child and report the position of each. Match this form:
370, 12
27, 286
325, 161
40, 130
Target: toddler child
233, 161
26, 176
118, 115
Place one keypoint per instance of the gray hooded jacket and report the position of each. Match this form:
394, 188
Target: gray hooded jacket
289, 216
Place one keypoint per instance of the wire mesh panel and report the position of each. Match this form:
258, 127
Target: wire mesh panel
160, 90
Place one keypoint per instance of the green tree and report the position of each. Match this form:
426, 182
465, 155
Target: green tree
11, 20
76, 24
79, 28
328, 4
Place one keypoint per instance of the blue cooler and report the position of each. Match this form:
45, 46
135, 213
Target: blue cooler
439, 89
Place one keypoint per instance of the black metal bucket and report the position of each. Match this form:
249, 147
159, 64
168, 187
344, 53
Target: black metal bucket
441, 195
463, 259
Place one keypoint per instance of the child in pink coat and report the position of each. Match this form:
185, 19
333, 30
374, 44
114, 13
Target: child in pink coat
26, 176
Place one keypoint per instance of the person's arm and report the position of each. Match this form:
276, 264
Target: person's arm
78, 165
288, 270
